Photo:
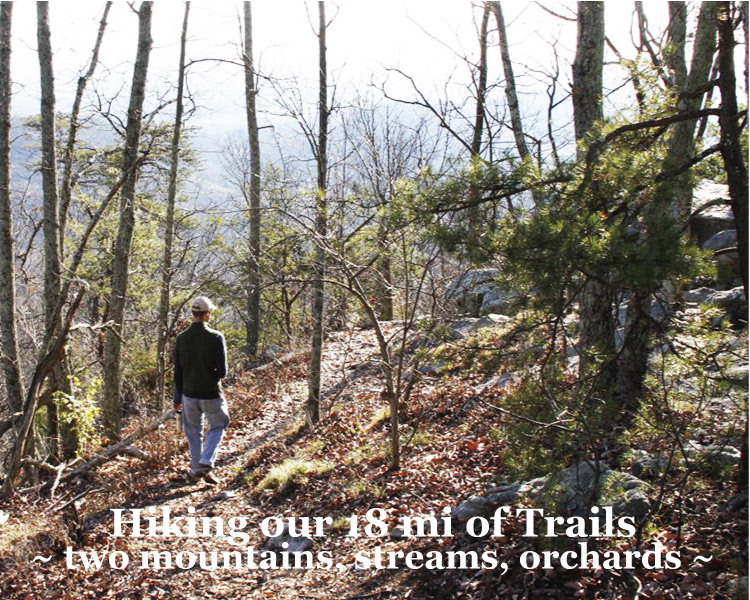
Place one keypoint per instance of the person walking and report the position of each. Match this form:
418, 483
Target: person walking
200, 363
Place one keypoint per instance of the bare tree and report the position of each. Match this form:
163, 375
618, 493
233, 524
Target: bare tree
112, 408
510, 82
596, 300
50, 203
253, 263
321, 224
734, 158
478, 130
66, 185
10, 353
167, 268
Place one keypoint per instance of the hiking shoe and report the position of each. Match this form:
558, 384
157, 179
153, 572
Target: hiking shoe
204, 472
190, 478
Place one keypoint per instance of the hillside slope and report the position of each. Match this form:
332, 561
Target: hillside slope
455, 446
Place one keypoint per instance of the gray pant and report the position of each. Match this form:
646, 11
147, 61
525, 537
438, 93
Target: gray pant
215, 411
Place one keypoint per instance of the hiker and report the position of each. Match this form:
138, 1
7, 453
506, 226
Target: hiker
200, 363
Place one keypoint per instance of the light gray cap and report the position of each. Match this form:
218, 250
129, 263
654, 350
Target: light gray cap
202, 304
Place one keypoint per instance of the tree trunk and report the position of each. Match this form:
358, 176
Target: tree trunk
476, 140
321, 226
66, 184
682, 140
510, 83
112, 406
597, 299
51, 210
731, 148
253, 267
10, 353
735, 166
166, 274
385, 281
672, 198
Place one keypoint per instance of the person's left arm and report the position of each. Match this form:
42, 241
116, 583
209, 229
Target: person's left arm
220, 364
177, 381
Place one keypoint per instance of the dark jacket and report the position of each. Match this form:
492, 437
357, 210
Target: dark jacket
200, 363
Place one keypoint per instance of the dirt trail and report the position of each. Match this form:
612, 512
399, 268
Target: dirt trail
263, 407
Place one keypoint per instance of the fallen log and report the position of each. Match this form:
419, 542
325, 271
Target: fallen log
123, 445
278, 361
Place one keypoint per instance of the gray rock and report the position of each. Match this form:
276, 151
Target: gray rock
573, 491
732, 301
467, 291
698, 295
648, 467
713, 456
475, 506
471, 282
431, 369
463, 327
284, 542
741, 588
738, 375
498, 381
504, 495
727, 238
711, 211
273, 351
497, 300
467, 326
476, 293
491, 320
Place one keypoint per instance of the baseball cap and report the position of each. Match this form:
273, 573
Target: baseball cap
202, 304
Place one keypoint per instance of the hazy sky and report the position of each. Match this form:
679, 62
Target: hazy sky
426, 39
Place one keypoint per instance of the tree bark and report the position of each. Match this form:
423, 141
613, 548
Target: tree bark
686, 85
10, 352
51, 210
731, 147
253, 267
510, 83
112, 405
478, 132
736, 168
66, 184
596, 299
166, 274
588, 68
321, 226
673, 198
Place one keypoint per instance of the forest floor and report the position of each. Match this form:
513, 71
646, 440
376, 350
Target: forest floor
272, 464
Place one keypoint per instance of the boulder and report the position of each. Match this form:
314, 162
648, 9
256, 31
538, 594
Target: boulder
732, 301
285, 542
271, 352
725, 239
465, 327
738, 375
713, 457
475, 506
476, 294
571, 489
467, 291
649, 467
711, 211
497, 300
698, 295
